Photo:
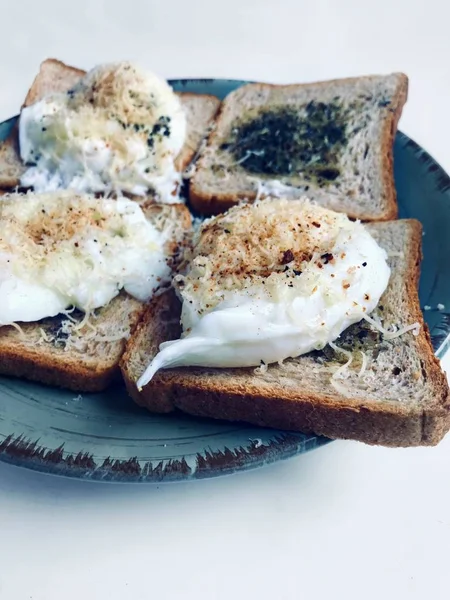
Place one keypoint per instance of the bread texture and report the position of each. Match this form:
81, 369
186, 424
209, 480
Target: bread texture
86, 359
55, 76
200, 110
402, 398
353, 171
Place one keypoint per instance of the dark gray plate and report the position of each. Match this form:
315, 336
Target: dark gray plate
105, 437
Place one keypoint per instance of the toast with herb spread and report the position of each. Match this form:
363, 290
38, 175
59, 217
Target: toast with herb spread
79, 353
332, 140
393, 392
55, 76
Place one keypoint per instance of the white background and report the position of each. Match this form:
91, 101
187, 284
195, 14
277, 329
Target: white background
346, 521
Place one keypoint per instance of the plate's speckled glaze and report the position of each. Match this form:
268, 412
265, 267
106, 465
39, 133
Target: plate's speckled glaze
105, 437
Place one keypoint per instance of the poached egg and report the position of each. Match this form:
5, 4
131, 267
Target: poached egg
59, 250
119, 128
271, 281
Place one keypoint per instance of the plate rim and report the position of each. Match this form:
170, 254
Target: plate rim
24, 453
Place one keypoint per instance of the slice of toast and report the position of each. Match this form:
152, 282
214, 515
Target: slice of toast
84, 360
200, 112
55, 76
401, 398
332, 140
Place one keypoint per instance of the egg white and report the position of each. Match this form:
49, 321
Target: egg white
95, 143
86, 270
252, 326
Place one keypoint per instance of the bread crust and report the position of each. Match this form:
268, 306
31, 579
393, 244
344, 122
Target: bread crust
209, 203
238, 395
390, 129
76, 373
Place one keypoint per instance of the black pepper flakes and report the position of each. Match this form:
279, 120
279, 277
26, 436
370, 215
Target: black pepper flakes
287, 257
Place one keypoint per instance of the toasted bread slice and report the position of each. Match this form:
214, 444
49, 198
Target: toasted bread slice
331, 139
401, 399
81, 361
200, 112
11, 167
55, 76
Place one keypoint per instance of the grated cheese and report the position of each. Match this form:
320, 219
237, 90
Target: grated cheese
244, 248
246, 156
75, 335
119, 128
343, 372
343, 369
363, 365
396, 332
273, 188
262, 369
19, 329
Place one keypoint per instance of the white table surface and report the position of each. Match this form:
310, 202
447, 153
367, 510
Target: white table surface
346, 521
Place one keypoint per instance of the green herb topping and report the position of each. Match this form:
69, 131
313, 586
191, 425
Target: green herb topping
289, 141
